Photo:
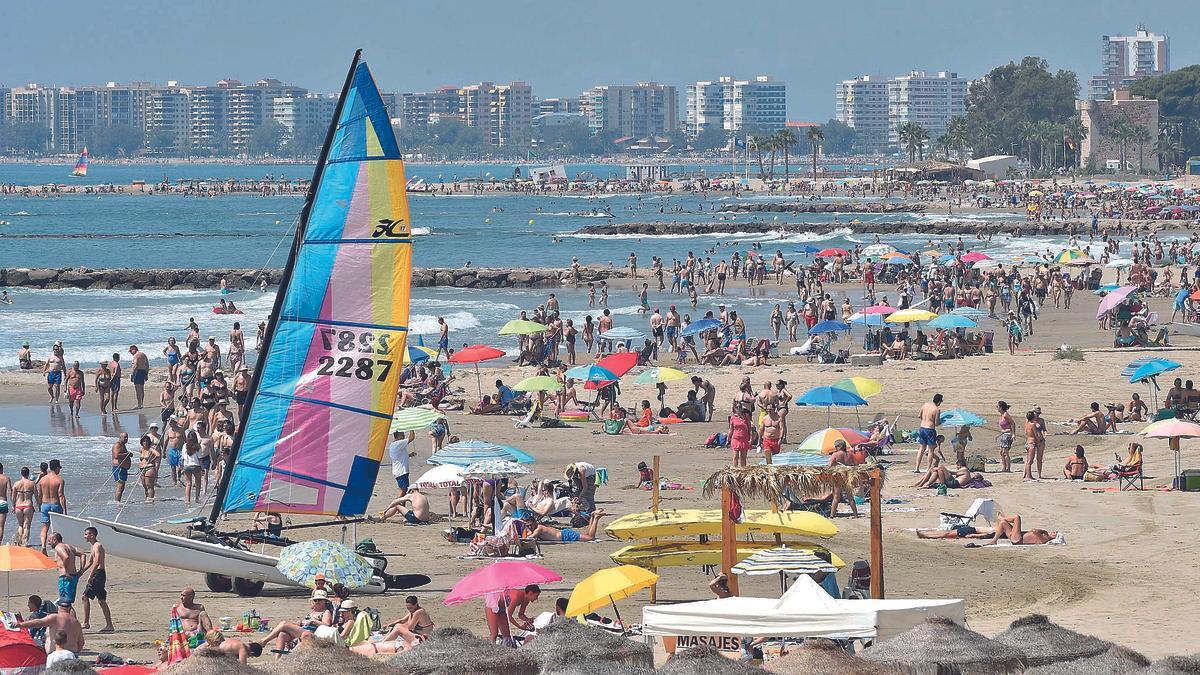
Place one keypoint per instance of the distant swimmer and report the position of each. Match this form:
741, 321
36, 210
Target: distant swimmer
5, 298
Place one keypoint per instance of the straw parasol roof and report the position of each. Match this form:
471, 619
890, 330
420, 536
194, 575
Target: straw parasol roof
210, 662
320, 656
1115, 661
598, 668
1174, 665
569, 642
940, 645
773, 483
453, 651
1043, 642
705, 661
71, 666
826, 657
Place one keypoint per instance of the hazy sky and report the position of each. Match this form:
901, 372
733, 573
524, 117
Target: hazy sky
563, 46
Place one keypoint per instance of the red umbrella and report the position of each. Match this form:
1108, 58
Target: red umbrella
499, 576
877, 309
832, 253
475, 354
618, 364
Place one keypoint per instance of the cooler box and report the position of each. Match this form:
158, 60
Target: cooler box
1190, 479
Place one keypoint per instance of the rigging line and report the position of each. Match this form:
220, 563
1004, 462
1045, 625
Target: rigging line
287, 235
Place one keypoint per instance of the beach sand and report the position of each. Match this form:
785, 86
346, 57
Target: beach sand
1119, 576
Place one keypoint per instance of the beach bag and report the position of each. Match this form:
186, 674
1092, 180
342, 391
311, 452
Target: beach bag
717, 440
977, 462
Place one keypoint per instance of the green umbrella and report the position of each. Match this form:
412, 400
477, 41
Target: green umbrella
538, 383
521, 327
411, 419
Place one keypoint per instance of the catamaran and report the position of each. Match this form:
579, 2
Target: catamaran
81, 164
322, 397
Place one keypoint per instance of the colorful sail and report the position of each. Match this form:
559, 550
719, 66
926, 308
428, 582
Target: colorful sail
81, 165
318, 424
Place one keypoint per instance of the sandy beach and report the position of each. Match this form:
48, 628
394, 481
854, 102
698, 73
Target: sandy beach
1121, 545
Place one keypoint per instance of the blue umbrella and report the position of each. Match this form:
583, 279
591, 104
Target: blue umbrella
1106, 288
830, 396
869, 320
623, 333
952, 321
1138, 363
592, 373
1153, 368
898, 260
465, 453
829, 327
808, 250
957, 417
798, 458
701, 326
970, 313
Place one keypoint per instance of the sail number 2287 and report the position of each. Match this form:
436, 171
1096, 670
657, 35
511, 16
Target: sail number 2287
355, 347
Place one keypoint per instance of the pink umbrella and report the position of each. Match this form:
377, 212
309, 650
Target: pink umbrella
499, 576
878, 309
1114, 298
1172, 428
975, 256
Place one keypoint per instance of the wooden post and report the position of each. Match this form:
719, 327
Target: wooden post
728, 540
876, 535
654, 510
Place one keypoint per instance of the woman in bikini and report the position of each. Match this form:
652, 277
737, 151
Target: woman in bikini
148, 466
1007, 426
286, 632
403, 633
1033, 436
22, 492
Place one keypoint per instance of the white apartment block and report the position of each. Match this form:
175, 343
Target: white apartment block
1127, 58
503, 112
639, 110
929, 100
303, 112
862, 103
733, 105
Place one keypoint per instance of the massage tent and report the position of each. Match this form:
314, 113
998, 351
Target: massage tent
805, 610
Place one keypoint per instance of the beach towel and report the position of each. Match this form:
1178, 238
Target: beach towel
1060, 540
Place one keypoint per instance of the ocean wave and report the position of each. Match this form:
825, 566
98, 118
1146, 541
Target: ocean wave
426, 324
419, 231
20, 213
770, 235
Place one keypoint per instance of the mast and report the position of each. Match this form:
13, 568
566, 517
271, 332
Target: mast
281, 294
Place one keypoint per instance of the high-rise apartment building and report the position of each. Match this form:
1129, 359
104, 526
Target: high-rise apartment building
125, 104
503, 112
304, 112
862, 103
1127, 58
251, 105
76, 114
34, 104
733, 105
420, 109
207, 115
928, 100
640, 110
168, 121
561, 104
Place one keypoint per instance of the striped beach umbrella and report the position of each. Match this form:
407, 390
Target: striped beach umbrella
783, 561
824, 439
494, 468
412, 419
798, 458
465, 453
863, 386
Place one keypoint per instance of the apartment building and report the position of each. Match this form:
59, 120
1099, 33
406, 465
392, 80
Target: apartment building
639, 110
1127, 58
732, 105
862, 103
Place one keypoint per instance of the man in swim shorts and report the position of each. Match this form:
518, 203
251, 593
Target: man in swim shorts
927, 433
121, 461
174, 442
75, 385
68, 574
54, 372
770, 430
566, 535
52, 495
141, 373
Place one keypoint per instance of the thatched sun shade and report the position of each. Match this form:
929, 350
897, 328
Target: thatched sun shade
943, 647
561, 644
705, 661
773, 483
455, 651
825, 657
1044, 642
211, 662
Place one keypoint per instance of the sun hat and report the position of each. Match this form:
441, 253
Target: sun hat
320, 595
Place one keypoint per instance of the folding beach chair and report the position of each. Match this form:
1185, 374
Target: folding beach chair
980, 508
1132, 478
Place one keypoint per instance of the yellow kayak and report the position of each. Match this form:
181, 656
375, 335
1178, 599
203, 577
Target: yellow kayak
696, 522
687, 553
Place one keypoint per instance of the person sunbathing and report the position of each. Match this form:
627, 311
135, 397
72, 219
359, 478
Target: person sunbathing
285, 632
543, 502
960, 532
413, 506
1136, 410
486, 407
1009, 527
954, 479
631, 428
566, 535
402, 634
1077, 465
1132, 461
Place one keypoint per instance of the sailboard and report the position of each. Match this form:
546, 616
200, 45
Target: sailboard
81, 164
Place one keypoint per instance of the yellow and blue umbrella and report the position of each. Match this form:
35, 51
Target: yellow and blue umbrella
662, 374
1069, 254
303, 562
863, 386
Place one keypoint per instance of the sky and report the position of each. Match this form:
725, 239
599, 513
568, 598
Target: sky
562, 47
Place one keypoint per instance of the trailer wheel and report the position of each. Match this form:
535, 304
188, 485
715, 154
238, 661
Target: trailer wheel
247, 588
218, 583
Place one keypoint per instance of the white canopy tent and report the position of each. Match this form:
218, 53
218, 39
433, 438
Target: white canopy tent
805, 610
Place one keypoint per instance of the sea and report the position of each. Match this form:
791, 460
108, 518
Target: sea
249, 231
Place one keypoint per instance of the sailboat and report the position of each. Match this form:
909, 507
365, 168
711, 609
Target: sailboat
81, 164
317, 422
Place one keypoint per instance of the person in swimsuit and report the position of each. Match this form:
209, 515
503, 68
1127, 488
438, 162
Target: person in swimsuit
171, 351
115, 385
148, 466
22, 501
1033, 435
1010, 527
54, 372
52, 495
103, 382
1077, 465
403, 633
566, 535
285, 631
75, 389
1005, 439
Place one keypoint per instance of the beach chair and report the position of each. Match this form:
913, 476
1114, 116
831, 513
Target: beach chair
1131, 478
985, 508
858, 586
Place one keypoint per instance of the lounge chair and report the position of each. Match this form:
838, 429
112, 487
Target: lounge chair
980, 508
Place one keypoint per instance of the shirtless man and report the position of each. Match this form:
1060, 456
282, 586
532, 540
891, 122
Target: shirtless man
191, 613
241, 389
927, 433
52, 495
767, 398
413, 505
1010, 528
25, 357
6, 496
174, 443
237, 347
139, 374
212, 353
62, 620
122, 460
22, 503
75, 389
443, 339
114, 387
53, 371
1094, 422
95, 590
770, 430
65, 556
709, 396
566, 535
519, 600
783, 399
215, 640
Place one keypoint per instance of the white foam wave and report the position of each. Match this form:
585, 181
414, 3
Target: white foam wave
770, 235
21, 213
426, 324
420, 231
35, 447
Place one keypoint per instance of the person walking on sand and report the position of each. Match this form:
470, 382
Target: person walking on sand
927, 433
103, 383
6, 498
115, 386
53, 370
68, 575
141, 373
75, 389
22, 501
52, 495
443, 339
95, 590
121, 462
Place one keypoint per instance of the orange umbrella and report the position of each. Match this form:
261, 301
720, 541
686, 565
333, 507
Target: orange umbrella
21, 559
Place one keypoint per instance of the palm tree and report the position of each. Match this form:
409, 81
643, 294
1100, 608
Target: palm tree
760, 143
1027, 133
1049, 136
913, 136
1121, 131
786, 138
955, 137
1167, 149
815, 136
1140, 135
1073, 134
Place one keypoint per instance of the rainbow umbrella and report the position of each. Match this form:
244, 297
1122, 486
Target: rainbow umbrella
863, 386
1069, 254
824, 440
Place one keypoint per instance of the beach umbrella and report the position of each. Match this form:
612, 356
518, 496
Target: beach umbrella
957, 417
419, 353
606, 586
663, 374
538, 383
987, 264
1114, 298
823, 440
1114, 661
521, 327
501, 575
1120, 263
304, 561
474, 354
832, 253
863, 386
818, 655
829, 326
705, 660
951, 321
878, 250
585, 649
807, 250
1068, 254
490, 469
21, 559
798, 458
1108, 288
1172, 428
969, 312
623, 333
700, 326
939, 646
975, 256
893, 254
411, 419
877, 309
783, 561
868, 320
911, 315
465, 453
1043, 642
1138, 363
829, 397
592, 373
1152, 368
454, 650
439, 477
898, 260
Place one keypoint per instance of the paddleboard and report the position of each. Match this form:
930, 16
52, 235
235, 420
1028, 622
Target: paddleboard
691, 553
695, 522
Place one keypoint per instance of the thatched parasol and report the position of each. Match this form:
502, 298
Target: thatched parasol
454, 651
826, 657
562, 644
941, 646
1174, 665
321, 656
773, 483
1043, 642
210, 662
599, 668
1115, 661
705, 661
71, 666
